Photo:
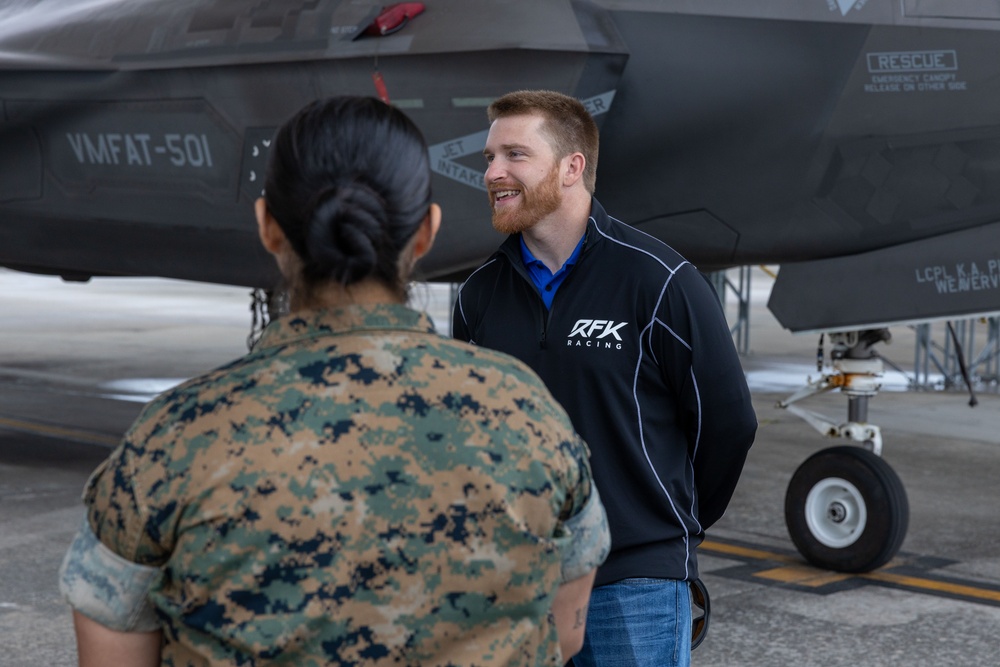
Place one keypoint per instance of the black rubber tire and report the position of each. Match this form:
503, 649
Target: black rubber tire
876, 486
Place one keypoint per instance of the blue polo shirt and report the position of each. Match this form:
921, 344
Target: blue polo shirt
544, 280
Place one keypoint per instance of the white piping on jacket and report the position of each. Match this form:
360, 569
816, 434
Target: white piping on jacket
635, 382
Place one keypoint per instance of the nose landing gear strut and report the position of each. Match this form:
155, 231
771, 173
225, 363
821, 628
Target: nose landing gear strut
845, 507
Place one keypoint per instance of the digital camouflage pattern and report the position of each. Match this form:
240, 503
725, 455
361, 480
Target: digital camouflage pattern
356, 490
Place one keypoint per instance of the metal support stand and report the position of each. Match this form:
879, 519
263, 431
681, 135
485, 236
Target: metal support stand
741, 288
936, 362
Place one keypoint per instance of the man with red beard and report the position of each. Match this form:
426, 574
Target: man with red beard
633, 342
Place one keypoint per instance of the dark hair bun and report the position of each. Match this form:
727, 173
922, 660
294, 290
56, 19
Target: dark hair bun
346, 234
349, 182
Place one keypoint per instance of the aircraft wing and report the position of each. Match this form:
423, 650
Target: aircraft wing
952, 276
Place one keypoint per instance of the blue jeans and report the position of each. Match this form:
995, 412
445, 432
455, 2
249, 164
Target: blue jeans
638, 623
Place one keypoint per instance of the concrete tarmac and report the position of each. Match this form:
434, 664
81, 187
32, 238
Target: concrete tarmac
78, 360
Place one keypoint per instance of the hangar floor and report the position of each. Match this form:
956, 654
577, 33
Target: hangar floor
78, 360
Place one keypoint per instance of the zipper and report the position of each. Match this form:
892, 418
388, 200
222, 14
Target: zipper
546, 312
539, 303
546, 315
543, 344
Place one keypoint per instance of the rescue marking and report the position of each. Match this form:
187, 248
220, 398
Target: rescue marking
913, 61
913, 71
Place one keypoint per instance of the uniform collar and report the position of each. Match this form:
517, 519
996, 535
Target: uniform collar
345, 320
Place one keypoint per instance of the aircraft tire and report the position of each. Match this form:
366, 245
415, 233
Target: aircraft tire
846, 510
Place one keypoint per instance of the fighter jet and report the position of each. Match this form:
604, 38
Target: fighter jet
854, 142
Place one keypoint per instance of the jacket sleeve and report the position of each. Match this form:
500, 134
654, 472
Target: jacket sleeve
720, 423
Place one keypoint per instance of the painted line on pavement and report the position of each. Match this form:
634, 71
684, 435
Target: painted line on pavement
905, 572
47, 430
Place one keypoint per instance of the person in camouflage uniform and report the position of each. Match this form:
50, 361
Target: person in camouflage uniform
357, 490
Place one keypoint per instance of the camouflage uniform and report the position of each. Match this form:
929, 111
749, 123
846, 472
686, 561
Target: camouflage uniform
357, 490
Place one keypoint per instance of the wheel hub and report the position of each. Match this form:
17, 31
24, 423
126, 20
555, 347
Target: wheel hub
836, 512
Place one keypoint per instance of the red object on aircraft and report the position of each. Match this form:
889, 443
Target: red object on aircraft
380, 88
394, 17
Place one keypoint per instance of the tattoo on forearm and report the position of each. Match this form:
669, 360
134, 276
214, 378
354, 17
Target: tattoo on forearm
581, 618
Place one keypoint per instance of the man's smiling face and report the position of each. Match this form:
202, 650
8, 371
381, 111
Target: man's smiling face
523, 174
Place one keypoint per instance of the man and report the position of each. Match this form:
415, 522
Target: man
632, 340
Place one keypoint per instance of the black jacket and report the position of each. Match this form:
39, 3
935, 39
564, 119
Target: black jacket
637, 349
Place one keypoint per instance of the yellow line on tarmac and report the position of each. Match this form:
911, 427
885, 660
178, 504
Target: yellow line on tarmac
805, 575
932, 585
746, 552
59, 432
793, 573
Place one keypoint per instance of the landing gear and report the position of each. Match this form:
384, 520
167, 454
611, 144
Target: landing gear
846, 510
845, 507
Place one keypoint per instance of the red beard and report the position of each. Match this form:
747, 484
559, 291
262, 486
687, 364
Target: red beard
535, 204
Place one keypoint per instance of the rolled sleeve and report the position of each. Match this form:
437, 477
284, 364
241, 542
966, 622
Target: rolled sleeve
105, 587
585, 540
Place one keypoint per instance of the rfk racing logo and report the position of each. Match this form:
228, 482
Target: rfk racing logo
602, 334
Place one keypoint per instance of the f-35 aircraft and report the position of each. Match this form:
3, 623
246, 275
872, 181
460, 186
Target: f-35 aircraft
854, 142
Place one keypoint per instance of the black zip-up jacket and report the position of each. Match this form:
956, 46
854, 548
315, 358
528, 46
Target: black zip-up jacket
637, 349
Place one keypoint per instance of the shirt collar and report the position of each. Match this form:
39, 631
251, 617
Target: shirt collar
528, 258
